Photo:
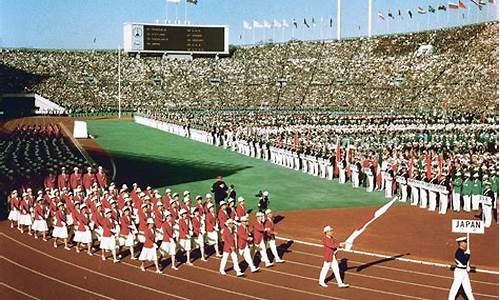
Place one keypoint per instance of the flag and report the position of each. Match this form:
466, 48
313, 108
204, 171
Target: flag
421, 10
276, 23
381, 16
313, 22
482, 2
347, 154
266, 24
246, 25
389, 14
195, 2
331, 22
350, 240
337, 158
95, 39
399, 13
295, 23
285, 23
257, 24
452, 5
410, 14
173, 1
478, 4
305, 23
431, 9
378, 172
440, 167
462, 5
442, 7
428, 166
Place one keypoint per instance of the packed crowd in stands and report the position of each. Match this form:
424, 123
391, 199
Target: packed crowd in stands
381, 74
83, 211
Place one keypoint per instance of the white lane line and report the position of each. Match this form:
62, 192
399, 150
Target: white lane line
55, 279
92, 271
415, 261
18, 291
397, 269
390, 280
135, 267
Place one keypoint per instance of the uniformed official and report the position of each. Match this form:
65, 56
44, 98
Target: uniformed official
461, 273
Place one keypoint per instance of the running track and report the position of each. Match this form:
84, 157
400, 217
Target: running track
33, 269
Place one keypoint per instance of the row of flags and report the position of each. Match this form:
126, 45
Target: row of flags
195, 2
430, 9
283, 23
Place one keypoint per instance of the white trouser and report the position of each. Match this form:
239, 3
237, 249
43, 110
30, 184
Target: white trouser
342, 176
467, 199
335, 268
432, 200
414, 196
263, 252
383, 183
323, 171
423, 198
456, 201
404, 192
274, 250
330, 172
487, 215
355, 179
443, 203
388, 188
234, 258
461, 278
245, 252
475, 202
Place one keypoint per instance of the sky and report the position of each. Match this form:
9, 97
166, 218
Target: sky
98, 24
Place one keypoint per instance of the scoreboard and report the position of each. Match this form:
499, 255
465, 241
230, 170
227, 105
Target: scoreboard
176, 39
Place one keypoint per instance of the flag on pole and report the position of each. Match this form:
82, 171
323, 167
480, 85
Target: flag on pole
256, 24
295, 23
305, 23
285, 23
331, 22
431, 9
421, 10
246, 25
452, 5
410, 14
173, 1
347, 157
276, 23
337, 158
390, 15
381, 16
442, 7
195, 2
478, 4
462, 5
350, 240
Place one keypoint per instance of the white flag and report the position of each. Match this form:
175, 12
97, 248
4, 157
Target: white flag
276, 23
246, 25
256, 24
266, 24
173, 1
285, 23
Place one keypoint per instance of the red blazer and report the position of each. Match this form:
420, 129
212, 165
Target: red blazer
82, 221
243, 237
240, 211
102, 180
150, 238
329, 247
62, 180
196, 222
39, 212
269, 225
60, 217
88, 180
168, 232
75, 180
210, 222
222, 218
183, 228
258, 232
228, 238
125, 222
107, 226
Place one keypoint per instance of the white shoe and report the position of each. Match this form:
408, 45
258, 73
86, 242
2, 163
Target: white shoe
239, 274
279, 260
269, 264
343, 285
222, 272
323, 284
255, 270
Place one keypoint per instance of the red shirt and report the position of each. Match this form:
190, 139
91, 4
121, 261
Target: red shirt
241, 211
222, 218
196, 222
150, 238
158, 218
329, 247
24, 207
83, 220
62, 180
39, 212
125, 222
168, 232
243, 236
60, 218
49, 182
88, 180
269, 225
107, 226
142, 220
14, 203
75, 180
258, 232
102, 180
183, 228
210, 222
228, 238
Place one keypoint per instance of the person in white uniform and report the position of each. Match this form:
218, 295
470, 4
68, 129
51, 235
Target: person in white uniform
461, 273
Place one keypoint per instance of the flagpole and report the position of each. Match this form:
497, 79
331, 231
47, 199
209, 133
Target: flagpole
119, 84
176, 12
338, 20
185, 12
369, 18
166, 12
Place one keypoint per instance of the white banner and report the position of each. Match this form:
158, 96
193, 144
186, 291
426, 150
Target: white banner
467, 226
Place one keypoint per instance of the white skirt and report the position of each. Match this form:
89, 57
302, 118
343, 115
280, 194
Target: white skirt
108, 243
212, 237
83, 236
25, 219
167, 248
148, 254
60, 232
40, 225
158, 235
141, 237
69, 219
14, 215
185, 244
199, 240
127, 241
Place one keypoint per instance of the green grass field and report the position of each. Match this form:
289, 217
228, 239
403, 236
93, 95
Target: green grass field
151, 157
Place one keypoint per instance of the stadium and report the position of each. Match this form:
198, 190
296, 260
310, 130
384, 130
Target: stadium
196, 149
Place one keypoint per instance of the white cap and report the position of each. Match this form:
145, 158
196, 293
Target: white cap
241, 199
210, 205
222, 203
144, 205
172, 201
186, 199
107, 211
159, 203
208, 196
229, 222
244, 219
327, 228
150, 221
265, 194
168, 191
186, 193
461, 239
259, 214
182, 211
268, 211
167, 213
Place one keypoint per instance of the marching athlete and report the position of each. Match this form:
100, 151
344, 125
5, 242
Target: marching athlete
461, 273
229, 249
212, 229
330, 246
60, 230
243, 240
14, 209
126, 237
148, 252
108, 241
40, 225
270, 235
259, 238
168, 245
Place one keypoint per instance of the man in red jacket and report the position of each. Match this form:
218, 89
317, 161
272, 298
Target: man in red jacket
212, 229
229, 249
243, 240
102, 178
63, 179
75, 179
270, 235
185, 235
88, 179
330, 246
258, 235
